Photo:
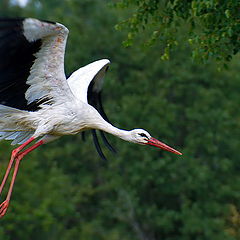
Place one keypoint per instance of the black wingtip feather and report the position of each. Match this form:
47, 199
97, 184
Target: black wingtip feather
17, 57
101, 110
94, 99
106, 142
83, 136
97, 145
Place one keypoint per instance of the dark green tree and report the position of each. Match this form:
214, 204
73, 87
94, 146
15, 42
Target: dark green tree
212, 28
64, 191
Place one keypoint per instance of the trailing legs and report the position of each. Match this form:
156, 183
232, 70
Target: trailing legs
16, 156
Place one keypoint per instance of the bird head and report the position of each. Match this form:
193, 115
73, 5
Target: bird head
141, 136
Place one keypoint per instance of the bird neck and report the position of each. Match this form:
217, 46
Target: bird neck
107, 127
96, 121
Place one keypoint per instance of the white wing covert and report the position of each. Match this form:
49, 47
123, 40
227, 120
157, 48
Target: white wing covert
47, 78
93, 73
86, 84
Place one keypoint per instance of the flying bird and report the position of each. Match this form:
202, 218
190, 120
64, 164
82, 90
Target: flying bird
39, 104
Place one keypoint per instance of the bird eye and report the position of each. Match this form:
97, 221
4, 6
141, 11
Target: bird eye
143, 135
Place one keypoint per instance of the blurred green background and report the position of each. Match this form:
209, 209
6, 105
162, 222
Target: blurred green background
65, 191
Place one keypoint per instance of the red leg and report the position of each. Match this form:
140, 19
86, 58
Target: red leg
13, 156
17, 156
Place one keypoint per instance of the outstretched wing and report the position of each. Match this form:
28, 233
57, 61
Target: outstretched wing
32, 62
88, 80
86, 84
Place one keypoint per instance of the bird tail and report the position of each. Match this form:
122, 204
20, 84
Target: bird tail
9, 125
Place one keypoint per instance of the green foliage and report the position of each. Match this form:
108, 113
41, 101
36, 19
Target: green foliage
234, 221
212, 27
64, 191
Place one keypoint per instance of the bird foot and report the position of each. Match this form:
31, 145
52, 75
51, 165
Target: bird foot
3, 208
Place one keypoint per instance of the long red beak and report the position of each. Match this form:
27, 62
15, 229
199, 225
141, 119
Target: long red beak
156, 143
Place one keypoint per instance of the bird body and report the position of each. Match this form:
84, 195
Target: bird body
69, 119
38, 103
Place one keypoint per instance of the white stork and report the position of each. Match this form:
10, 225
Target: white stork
36, 101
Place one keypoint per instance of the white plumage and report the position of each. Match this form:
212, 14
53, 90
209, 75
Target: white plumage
37, 102
80, 79
47, 77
